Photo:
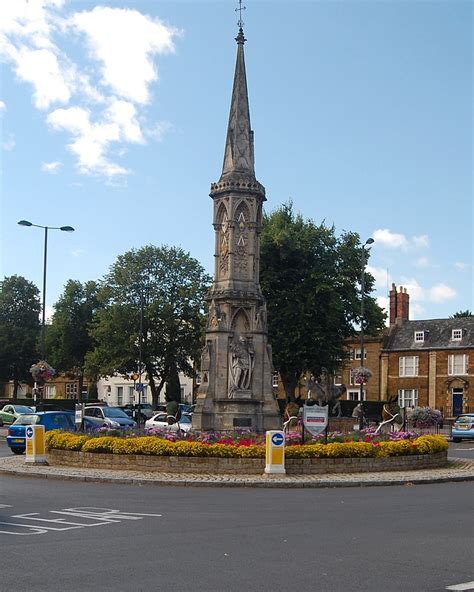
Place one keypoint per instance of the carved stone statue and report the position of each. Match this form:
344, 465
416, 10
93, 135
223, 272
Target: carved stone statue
326, 393
241, 364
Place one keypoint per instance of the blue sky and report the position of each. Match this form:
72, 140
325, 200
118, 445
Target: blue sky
113, 119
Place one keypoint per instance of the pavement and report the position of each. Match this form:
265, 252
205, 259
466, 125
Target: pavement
456, 470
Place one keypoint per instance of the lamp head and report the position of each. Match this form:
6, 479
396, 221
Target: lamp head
369, 241
67, 228
25, 223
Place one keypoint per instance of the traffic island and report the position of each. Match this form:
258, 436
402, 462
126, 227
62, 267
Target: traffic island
242, 466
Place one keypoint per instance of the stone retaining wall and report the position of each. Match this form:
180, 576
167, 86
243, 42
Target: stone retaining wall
248, 466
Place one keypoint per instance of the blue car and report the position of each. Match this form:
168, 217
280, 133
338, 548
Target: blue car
463, 428
52, 420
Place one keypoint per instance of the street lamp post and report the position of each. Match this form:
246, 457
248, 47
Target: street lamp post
45, 257
369, 241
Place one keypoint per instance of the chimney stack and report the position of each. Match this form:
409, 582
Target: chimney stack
399, 305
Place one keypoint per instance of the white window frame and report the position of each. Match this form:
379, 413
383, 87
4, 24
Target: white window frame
456, 335
408, 369
357, 353
131, 395
49, 391
144, 394
337, 379
408, 398
419, 337
354, 395
71, 390
120, 396
455, 359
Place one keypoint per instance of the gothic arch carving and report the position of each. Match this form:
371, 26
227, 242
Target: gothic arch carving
241, 238
223, 234
240, 322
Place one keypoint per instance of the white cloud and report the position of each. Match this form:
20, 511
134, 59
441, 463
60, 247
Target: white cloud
421, 241
8, 143
413, 288
3, 108
461, 265
390, 239
52, 83
381, 277
384, 304
421, 262
77, 252
417, 311
395, 240
92, 140
101, 103
441, 292
124, 42
51, 167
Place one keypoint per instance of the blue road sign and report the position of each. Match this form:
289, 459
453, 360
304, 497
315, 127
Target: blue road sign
139, 387
277, 439
29, 432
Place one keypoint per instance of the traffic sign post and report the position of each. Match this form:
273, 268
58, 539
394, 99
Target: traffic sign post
315, 419
35, 449
275, 452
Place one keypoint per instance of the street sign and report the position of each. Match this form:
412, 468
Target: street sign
278, 439
79, 413
139, 387
315, 418
35, 450
275, 452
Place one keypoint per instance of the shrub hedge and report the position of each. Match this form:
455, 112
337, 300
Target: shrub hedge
154, 446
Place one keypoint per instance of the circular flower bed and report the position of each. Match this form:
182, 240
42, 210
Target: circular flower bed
366, 447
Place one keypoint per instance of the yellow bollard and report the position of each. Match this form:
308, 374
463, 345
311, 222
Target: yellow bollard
275, 452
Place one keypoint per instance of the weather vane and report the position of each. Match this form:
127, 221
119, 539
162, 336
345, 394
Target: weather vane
240, 22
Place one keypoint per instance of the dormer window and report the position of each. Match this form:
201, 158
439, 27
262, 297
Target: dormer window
419, 336
456, 335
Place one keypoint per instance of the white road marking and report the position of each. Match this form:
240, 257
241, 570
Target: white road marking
464, 449
5, 506
465, 586
89, 516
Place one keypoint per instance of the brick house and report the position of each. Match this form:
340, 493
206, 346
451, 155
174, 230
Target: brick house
428, 362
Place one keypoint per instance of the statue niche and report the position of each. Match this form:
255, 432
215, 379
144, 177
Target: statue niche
241, 239
241, 355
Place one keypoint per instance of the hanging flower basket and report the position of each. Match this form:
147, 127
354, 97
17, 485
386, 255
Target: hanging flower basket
42, 372
361, 375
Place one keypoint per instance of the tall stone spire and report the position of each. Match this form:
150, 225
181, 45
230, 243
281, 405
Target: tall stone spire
238, 155
236, 365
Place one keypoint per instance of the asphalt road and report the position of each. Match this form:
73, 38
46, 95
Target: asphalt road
224, 540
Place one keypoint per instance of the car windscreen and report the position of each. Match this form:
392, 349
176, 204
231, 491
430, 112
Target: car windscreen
113, 412
465, 419
27, 420
23, 409
185, 419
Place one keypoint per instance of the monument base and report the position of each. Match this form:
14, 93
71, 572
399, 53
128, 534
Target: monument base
228, 415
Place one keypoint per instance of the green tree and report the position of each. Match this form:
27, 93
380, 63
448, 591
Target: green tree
461, 314
169, 286
68, 338
19, 329
311, 281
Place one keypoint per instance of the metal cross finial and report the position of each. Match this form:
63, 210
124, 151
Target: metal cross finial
240, 22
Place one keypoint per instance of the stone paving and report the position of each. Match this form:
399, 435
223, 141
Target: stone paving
457, 470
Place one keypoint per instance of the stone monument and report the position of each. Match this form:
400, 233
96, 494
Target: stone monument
236, 364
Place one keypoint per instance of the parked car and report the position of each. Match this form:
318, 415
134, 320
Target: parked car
92, 424
52, 420
146, 411
463, 428
160, 420
113, 417
10, 412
